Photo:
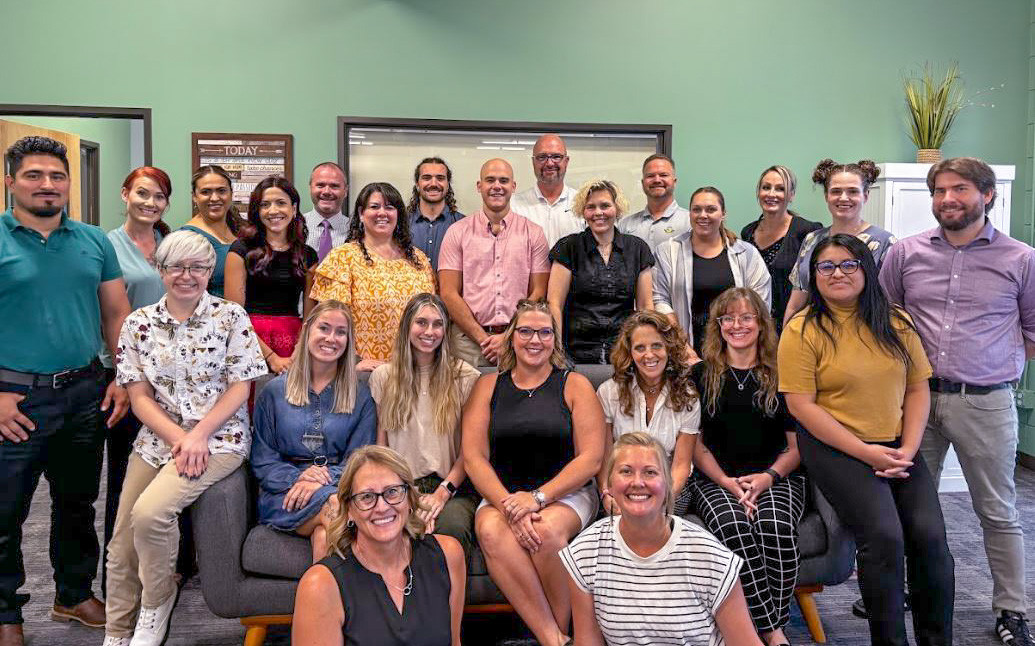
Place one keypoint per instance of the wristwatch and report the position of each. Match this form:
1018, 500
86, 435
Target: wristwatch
774, 474
540, 498
449, 486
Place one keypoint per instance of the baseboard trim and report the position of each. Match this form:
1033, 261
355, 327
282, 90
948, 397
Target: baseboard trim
1027, 461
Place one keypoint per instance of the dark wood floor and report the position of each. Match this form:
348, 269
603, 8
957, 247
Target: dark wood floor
193, 625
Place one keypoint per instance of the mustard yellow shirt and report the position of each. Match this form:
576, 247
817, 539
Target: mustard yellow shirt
377, 293
859, 383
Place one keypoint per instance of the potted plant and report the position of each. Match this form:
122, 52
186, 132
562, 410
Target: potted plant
932, 106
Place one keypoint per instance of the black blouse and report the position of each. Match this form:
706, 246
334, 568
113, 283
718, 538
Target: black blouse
782, 262
601, 295
274, 292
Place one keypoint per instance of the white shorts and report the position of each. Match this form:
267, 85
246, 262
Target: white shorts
583, 502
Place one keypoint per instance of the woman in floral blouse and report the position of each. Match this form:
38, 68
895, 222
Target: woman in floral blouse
186, 361
376, 272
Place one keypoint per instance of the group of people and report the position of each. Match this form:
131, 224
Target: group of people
740, 364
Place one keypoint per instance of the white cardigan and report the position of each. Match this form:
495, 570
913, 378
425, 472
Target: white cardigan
674, 279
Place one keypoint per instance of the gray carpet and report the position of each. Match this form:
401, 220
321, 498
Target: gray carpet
194, 625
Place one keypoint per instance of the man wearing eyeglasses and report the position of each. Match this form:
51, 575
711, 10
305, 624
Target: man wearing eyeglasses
549, 203
970, 290
60, 287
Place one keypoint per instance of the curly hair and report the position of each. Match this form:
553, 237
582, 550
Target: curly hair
681, 392
401, 234
864, 169
450, 197
34, 145
593, 186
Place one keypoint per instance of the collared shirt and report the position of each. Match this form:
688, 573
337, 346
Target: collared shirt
665, 424
973, 305
496, 268
339, 228
557, 220
190, 365
673, 222
427, 234
600, 295
50, 311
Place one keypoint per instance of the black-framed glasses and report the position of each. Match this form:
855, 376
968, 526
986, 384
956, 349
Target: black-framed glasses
194, 270
367, 500
554, 157
827, 267
526, 333
728, 320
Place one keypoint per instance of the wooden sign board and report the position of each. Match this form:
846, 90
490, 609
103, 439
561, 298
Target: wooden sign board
248, 158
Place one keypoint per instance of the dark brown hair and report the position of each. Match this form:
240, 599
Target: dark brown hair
450, 198
969, 168
864, 169
260, 253
234, 221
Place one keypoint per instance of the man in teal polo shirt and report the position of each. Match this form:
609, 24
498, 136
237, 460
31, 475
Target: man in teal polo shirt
60, 288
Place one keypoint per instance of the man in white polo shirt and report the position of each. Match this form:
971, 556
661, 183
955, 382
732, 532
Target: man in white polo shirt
549, 202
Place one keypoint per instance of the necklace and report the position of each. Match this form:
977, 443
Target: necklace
406, 590
650, 390
741, 384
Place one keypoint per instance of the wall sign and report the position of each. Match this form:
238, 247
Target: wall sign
248, 158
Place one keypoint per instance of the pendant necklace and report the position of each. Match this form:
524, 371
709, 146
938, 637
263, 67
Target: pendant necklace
409, 586
741, 384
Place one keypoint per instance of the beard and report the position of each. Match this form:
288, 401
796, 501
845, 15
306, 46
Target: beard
970, 216
45, 211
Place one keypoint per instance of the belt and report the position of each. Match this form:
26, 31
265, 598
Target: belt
946, 386
320, 461
50, 380
495, 329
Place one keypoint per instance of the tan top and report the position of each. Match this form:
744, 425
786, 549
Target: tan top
859, 384
425, 450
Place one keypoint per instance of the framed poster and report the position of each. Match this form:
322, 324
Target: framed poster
248, 158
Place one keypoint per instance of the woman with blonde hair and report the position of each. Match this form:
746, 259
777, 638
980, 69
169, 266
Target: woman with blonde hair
420, 393
648, 577
533, 439
384, 582
307, 423
748, 488
599, 275
651, 392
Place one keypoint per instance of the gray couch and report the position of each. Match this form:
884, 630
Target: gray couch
250, 571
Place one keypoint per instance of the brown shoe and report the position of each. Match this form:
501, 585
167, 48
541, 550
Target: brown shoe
88, 613
11, 635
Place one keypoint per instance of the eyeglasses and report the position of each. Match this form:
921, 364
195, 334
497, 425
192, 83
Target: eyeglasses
554, 157
368, 499
526, 333
193, 270
827, 267
728, 320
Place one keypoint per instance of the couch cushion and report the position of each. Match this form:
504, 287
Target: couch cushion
812, 535
269, 552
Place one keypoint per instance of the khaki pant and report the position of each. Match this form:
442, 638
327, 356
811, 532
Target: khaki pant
469, 351
143, 549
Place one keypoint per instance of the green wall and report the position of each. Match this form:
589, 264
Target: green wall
113, 137
745, 83
1027, 416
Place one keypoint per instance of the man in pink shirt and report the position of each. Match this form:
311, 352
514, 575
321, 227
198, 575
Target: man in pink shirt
488, 262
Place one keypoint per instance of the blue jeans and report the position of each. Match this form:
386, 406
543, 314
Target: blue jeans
67, 447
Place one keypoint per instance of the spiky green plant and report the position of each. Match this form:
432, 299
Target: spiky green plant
933, 105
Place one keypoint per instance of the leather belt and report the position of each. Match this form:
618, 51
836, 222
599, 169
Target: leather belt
50, 380
495, 329
946, 386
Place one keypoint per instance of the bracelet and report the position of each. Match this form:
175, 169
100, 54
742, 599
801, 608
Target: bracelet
774, 474
266, 357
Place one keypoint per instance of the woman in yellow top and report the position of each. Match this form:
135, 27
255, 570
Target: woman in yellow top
855, 376
376, 272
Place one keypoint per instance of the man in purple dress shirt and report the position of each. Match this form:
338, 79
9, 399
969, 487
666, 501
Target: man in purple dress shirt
971, 292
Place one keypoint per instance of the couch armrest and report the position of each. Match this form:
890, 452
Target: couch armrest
840, 557
220, 527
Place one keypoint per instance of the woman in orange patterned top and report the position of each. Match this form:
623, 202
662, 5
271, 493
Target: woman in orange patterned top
376, 272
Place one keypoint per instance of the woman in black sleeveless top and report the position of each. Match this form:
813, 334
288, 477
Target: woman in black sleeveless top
384, 582
533, 438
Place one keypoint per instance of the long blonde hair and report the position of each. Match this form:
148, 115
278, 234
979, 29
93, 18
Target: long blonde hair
300, 376
340, 534
402, 386
508, 359
639, 438
713, 351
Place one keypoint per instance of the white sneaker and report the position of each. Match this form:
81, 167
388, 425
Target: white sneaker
152, 623
115, 641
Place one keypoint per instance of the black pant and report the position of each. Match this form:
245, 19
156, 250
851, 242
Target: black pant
120, 445
893, 520
66, 447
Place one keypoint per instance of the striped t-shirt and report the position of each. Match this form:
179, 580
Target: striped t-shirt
669, 597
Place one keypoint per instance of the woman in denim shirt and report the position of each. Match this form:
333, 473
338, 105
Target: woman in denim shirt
307, 423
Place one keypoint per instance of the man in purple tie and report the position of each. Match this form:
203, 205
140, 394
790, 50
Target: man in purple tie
328, 226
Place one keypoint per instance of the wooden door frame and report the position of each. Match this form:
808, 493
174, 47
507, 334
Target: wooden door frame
87, 111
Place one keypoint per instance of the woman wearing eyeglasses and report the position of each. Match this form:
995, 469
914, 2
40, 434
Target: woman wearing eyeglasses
533, 438
385, 581
307, 423
747, 488
186, 362
855, 376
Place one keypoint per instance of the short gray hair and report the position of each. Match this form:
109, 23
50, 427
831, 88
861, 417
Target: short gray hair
180, 246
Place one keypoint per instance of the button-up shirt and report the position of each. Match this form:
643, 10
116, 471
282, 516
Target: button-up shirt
190, 365
427, 234
673, 222
496, 268
339, 228
557, 220
973, 305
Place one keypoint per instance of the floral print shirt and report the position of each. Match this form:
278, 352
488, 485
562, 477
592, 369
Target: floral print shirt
190, 365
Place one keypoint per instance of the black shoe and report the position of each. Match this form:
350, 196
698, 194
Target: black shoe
859, 608
1012, 629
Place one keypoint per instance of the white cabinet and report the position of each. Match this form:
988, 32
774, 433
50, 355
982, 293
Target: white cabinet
900, 202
